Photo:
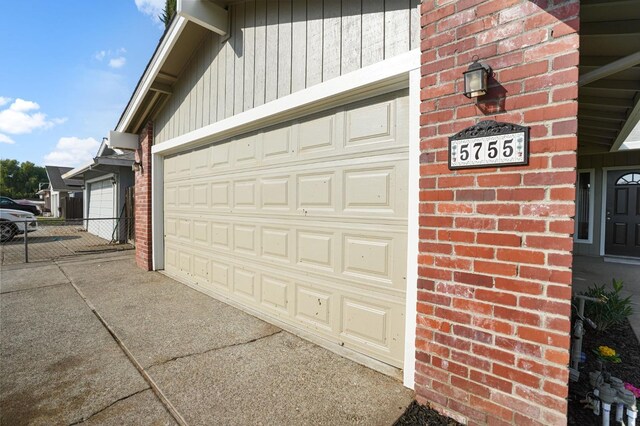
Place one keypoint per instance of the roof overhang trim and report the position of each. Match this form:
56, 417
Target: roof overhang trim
206, 14
160, 56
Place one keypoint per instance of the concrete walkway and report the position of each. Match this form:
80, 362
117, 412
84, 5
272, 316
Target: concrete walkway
96, 340
588, 271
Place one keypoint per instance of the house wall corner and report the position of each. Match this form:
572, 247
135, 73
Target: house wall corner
495, 248
142, 199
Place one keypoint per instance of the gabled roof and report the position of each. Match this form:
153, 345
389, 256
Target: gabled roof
57, 183
106, 156
192, 21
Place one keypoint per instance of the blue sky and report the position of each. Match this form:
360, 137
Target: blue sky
67, 71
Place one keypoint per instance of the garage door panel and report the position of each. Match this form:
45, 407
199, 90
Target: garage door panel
184, 229
246, 151
244, 239
313, 306
370, 124
244, 194
275, 244
312, 300
316, 191
170, 196
220, 195
344, 250
379, 127
275, 294
275, 193
170, 227
370, 256
220, 275
244, 282
184, 196
220, 159
315, 250
306, 222
316, 135
220, 235
201, 231
201, 268
201, 195
365, 322
276, 145
183, 164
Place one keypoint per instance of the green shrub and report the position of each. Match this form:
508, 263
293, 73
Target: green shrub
614, 309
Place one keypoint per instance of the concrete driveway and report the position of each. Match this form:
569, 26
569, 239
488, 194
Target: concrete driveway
96, 340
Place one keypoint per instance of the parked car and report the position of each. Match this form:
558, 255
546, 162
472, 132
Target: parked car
8, 203
14, 222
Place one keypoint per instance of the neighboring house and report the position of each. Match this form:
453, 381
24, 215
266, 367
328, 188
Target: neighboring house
60, 190
294, 160
106, 179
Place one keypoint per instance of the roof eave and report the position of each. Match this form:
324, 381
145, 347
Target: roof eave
153, 67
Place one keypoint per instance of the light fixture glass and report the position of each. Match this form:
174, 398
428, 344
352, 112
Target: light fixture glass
475, 79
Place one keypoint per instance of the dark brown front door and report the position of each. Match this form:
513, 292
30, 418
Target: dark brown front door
622, 236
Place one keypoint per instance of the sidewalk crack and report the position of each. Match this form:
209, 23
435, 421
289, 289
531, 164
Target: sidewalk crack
157, 364
109, 406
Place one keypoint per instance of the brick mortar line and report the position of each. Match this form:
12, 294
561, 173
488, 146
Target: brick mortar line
152, 384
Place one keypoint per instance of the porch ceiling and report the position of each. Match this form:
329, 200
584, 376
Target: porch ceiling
609, 94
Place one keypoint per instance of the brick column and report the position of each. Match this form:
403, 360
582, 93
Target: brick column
495, 259
142, 203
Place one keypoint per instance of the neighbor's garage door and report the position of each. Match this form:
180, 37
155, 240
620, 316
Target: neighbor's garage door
101, 206
306, 222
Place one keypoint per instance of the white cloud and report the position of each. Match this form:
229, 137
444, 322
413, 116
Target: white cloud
72, 151
21, 117
6, 139
116, 58
117, 62
152, 8
20, 105
4, 101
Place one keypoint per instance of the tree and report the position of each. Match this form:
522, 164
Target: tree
20, 180
168, 12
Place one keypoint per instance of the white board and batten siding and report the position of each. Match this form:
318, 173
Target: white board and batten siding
278, 47
305, 222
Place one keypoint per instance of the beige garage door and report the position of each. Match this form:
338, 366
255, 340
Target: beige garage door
305, 222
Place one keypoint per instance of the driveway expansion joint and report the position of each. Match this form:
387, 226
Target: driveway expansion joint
33, 288
145, 375
84, 419
157, 364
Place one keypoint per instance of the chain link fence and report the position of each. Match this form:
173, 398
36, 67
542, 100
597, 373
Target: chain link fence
52, 238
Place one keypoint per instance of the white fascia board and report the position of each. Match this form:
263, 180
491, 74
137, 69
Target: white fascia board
78, 170
151, 73
114, 162
206, 14
388, 70
121, 140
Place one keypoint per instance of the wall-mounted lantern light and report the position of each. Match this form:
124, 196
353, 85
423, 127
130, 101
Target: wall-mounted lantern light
475, 79
136, 166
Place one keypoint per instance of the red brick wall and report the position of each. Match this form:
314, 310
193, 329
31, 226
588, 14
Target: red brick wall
495, 244
142, 204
